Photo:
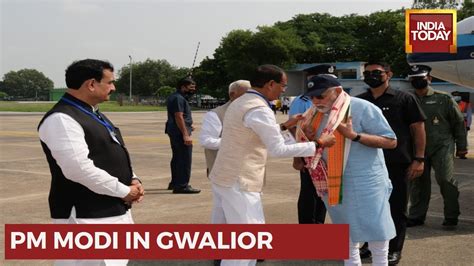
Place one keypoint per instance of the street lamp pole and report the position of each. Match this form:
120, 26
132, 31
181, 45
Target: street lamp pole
130, 78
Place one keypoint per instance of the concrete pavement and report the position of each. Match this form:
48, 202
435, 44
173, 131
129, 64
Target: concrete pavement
25, 182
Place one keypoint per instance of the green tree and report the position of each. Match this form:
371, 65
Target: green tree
314, 38
164, 92
385, 40
465, 9
430, 4
351, 37
243, 50
211, 77
27, 84
3, 95
148, 77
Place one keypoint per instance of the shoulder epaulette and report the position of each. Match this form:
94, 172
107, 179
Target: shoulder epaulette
442, 92
304, 98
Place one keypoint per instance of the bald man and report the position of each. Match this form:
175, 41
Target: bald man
210, 136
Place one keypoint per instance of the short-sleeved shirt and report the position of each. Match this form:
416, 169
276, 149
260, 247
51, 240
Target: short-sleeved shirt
401, 109
174, 104
299, 105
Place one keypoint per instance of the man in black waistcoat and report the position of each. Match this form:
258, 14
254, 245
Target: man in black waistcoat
92, 178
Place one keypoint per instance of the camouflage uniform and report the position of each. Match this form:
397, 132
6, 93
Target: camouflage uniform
444, 127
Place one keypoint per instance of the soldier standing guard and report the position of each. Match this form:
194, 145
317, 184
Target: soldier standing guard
444, 129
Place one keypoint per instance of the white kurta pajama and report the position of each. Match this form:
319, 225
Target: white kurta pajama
241, 201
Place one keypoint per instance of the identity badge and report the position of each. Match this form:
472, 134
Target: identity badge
430, 31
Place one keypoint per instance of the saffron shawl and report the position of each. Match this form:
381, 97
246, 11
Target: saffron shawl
327, 176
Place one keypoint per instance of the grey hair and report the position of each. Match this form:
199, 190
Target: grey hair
239, 84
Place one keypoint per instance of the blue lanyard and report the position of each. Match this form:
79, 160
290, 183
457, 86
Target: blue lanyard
261, 95
109, 127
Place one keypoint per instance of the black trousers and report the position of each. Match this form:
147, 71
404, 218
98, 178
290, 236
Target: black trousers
181, 161
398, 203
311, 209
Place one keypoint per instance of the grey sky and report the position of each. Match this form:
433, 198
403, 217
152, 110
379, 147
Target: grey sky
49, 35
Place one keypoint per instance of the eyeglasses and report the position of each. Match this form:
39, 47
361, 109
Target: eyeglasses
375, 72
283, 84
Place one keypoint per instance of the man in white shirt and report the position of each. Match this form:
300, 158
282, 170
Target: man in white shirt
210, 136
92, 178
250, 133
211, 130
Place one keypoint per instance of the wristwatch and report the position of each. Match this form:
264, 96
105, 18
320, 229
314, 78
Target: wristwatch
357, 138
419, 159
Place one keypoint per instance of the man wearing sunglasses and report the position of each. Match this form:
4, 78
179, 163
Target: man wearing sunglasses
354, 162
311, 209
444, 129
404, 163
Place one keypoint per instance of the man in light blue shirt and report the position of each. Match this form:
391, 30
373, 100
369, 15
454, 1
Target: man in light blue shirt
311, 209
366, 187
299, 105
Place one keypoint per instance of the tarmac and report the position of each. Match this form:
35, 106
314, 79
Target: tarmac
25, 180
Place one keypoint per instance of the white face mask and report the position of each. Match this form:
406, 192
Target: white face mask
457, 98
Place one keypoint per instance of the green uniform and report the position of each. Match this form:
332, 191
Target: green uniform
444, 128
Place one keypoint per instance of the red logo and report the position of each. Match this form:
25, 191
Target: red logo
430, 31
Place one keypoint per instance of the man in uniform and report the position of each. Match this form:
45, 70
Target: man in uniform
311, 209
444, 128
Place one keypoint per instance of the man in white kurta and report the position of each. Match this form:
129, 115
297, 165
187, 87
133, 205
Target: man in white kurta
210, 136
250, 133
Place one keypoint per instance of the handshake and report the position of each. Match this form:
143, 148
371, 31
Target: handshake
136, 192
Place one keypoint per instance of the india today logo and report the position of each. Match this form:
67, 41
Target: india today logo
430, 31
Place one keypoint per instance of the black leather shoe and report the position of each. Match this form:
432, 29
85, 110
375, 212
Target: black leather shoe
414, 222
394, 257
186, 190
364, 252
450, 223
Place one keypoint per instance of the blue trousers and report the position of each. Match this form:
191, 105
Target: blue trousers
181, 161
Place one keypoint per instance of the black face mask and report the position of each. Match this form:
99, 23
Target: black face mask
373, 81
419, 83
